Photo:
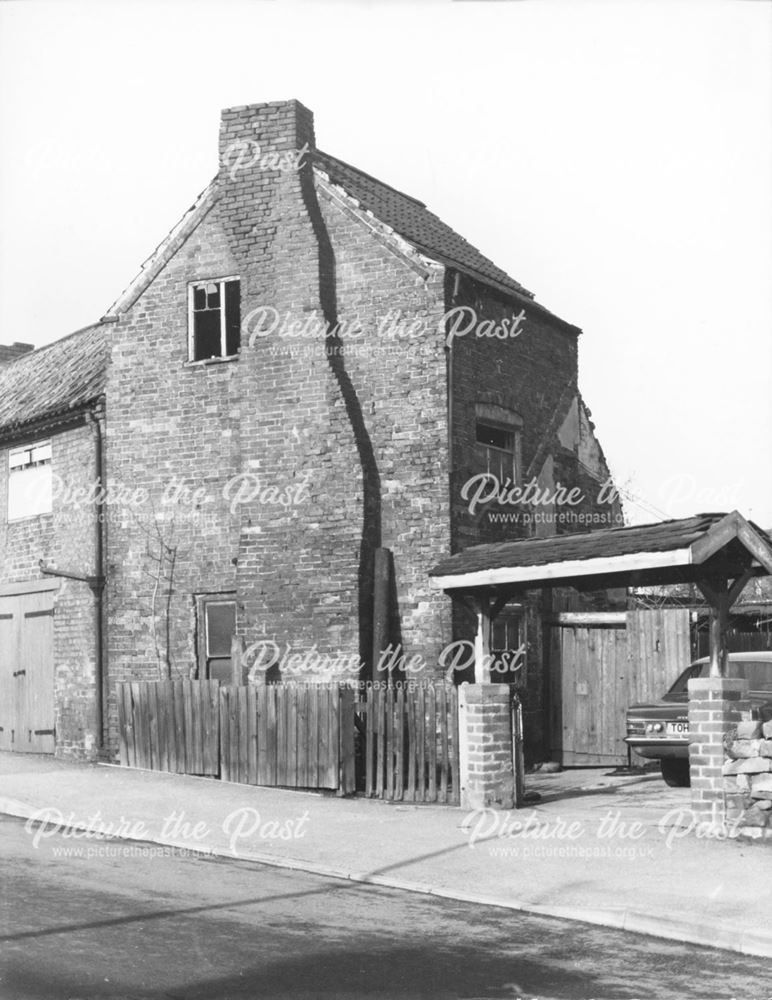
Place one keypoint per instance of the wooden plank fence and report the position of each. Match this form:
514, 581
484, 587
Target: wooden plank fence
290, 735
170, 726
410, 742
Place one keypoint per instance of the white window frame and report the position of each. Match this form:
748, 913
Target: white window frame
17, 467
192, 285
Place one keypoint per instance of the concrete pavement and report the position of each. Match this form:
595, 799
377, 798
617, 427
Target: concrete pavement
622, 852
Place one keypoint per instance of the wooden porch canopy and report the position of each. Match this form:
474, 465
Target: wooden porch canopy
717, 552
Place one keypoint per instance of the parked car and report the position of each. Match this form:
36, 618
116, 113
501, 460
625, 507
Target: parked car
660, 730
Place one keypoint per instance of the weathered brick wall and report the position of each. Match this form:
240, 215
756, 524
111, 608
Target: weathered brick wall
354, 431
66, 538
297, 573
358, 418
364, 431
397, 372
171, 426
533, 374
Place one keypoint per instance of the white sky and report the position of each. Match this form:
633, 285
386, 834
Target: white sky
615, 157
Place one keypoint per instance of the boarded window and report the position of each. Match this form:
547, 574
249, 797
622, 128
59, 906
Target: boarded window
30, 481
215, 319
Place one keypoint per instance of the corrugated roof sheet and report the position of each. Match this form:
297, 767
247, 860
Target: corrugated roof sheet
415, 223
54, 379
662, 537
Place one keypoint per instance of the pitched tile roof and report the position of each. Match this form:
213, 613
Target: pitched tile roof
415, 223
70, 372
54, 379
604, 543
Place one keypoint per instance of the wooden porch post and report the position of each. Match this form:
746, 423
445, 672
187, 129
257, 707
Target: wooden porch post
717, 596
720, 597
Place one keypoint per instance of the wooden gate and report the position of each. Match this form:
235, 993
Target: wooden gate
410, 742
27, 672
600, 668
286, 735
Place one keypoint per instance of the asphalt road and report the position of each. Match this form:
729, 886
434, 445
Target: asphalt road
88, 919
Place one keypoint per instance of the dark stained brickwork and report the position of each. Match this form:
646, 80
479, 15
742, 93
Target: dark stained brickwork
533, 376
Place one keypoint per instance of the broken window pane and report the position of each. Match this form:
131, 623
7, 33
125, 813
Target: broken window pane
206, 336
215, 335
496, 437
213, 295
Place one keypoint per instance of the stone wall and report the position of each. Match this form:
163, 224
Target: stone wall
748, 777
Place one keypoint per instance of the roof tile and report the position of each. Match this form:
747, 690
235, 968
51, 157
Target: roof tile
662, 537
415, 223
54, 379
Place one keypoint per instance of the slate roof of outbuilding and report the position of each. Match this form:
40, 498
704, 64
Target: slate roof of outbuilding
415, 223
54, 379
665, 536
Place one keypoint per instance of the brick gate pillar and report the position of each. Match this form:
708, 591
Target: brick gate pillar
715, 705
486, 746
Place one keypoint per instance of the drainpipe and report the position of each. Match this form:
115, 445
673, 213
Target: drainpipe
95, 420
95, 582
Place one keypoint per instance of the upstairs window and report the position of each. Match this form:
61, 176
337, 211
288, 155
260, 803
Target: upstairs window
214, 319
497, 437
29, 481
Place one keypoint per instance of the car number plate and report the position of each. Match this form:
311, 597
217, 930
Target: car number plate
677, 728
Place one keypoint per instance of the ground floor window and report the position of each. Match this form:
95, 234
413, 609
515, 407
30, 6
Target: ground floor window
216, 627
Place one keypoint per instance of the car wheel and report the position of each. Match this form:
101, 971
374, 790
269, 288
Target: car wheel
675, 773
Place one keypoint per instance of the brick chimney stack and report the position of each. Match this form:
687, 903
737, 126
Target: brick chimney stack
263, 149
270, 213
9, 352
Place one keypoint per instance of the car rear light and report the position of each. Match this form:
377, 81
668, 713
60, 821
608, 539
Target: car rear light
635, 727
654, 727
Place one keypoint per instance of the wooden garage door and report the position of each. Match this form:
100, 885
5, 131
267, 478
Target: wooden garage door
27, 673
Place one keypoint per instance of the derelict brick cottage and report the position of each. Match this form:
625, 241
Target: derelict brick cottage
271, 435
